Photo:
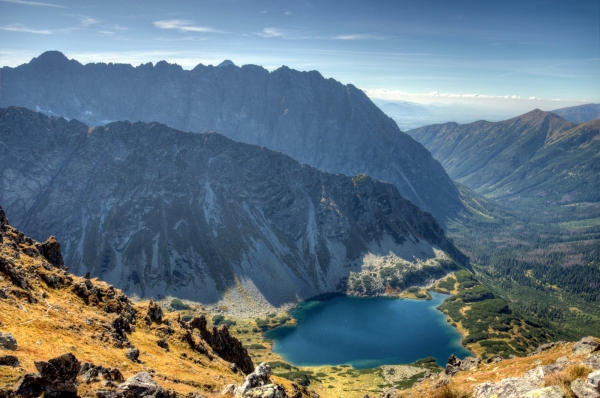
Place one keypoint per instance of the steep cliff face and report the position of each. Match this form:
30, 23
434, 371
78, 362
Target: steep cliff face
317, 121
156, 210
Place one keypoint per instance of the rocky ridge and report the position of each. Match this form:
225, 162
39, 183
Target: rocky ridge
317, 121
101, 336
157, 211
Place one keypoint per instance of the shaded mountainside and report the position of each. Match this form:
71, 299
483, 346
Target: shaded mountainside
65, 336
317, 121
537, 156
580, 113
158, 211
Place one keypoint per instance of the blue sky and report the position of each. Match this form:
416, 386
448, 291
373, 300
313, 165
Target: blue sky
424, 51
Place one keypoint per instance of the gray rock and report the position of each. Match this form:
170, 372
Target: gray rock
9, 360
132, 354
266, 391
260, 377
470, 363
586, 345
453, 365
8, 341
56, 378
581, 389
494, 360
547, 392
511, 387
141, 385
546, 347
593, 379
593, 361
390, 393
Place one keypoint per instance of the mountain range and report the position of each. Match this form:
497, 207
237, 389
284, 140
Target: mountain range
537, 156
158, 211
317, 121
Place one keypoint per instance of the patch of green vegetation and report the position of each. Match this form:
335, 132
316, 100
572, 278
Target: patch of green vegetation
447, 285
179, 305
408, 383
483, 315
257, 347
221, 320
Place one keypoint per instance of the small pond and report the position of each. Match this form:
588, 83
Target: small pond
367, 332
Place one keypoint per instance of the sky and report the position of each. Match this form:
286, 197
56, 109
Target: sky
521, 54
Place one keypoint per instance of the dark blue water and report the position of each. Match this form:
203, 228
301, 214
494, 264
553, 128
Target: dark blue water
367, 332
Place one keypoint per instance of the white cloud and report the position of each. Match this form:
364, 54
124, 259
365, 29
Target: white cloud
106, 32
358, 37
25, 29
287, 13
33, 3
184, 26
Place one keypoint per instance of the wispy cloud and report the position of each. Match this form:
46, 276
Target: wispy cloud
272, 32
33, 3
106, 32
25, 29
358, 37
184, 26
86, 21
287, 13
397, 94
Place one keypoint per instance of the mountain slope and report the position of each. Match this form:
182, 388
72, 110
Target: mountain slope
317, 121
154, 210
537, 156
97, 336
580, 113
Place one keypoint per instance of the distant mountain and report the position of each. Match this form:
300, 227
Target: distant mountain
537, 156
159, 211
317, 121
579, 114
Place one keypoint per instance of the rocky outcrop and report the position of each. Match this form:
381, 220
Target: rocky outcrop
222, 343
56, 378
155, 210
9, 360
317, 121
456, 365
586, 345
257, 385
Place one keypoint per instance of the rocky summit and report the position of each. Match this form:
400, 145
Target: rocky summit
317, 121
158, 211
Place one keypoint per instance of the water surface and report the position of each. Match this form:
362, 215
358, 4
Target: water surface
367, 332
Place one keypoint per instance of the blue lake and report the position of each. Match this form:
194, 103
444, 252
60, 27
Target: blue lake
367, 332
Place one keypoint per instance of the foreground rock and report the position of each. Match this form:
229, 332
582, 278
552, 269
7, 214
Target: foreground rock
257, 385
586, 345
56, 378
7, 340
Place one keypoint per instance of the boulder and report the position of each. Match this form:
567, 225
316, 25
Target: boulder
593, 379
547, 392
586, 345
9, 360
56, 378
260, 377
453, 366
132, 354
141, 385
470, 363
8, 341
266, 391
154, 314
511, 387
593, 361
581, 389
